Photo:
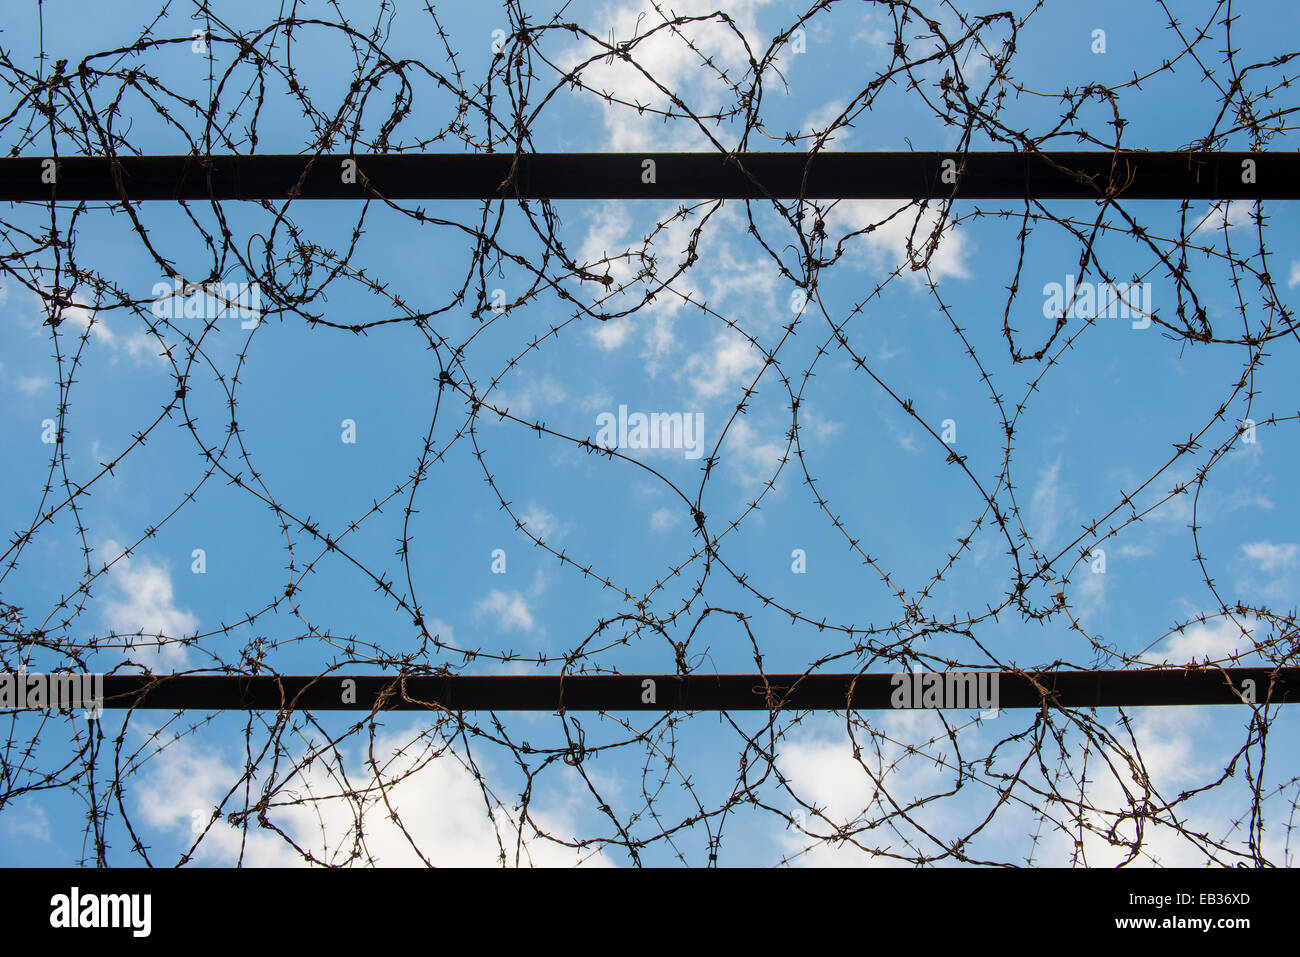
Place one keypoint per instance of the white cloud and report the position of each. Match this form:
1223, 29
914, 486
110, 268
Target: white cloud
668, 58
886, 246
533, 396
509, 608
435, 798
27, 821
610, 234
1294, 279
663, 519
543, 524
1046, 505
441, 629
147, 605
876, 39
1212, 504
596, 402
80, 314
822, 771
821, 428
1227, 214
1089, 591
138, 345
660, 336
1215, 640
825, 774
611, 334
820, 120
753, 457
905, 439
730, 275
1172, 742
607, 236
1277, 561
1270, 557
887, 353
30, 385
728, 363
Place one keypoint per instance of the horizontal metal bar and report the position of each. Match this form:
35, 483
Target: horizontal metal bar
826, 175
749, 692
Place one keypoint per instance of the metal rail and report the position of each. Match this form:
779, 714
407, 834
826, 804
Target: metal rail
826, 175
745, 692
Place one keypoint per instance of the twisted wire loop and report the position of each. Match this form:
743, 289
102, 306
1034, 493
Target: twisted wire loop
640, 786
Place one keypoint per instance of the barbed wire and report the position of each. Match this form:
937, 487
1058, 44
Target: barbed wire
937, 790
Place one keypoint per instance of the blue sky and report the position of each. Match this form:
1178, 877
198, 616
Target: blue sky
1096, 424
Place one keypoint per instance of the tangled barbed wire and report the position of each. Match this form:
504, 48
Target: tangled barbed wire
921, 789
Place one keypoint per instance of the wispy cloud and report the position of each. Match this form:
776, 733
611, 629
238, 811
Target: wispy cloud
146, 604
1227, 214
543, 523
83, 316
662, 519
753, 456
1270, 557
1047, 503
510, 609
532, 396
1216, 640
30, 384
28, 821
1274, 569
729, 361
895, 228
